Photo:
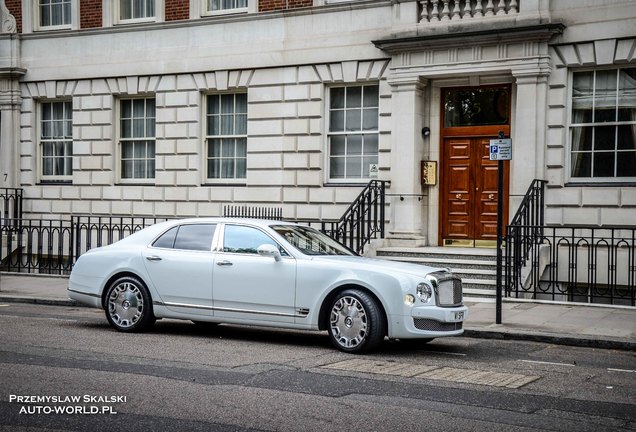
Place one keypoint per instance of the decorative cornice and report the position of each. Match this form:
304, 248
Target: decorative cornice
418, 42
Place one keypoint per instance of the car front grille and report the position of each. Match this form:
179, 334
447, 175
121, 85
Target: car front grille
449, 290
432, 325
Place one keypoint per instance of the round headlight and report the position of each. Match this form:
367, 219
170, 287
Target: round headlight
424, 292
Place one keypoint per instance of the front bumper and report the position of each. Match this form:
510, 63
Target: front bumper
428, 322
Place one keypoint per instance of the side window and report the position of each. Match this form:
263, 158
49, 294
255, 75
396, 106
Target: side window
167, 239
188, 237
246, 240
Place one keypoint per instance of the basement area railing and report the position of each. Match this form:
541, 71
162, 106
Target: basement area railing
587, 264
10, 205
53, 246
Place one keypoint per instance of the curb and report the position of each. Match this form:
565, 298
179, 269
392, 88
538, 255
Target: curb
42, 301
552, 338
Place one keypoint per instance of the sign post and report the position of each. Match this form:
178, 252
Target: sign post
500, 150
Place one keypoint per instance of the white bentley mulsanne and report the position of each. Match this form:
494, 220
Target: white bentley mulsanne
265, 273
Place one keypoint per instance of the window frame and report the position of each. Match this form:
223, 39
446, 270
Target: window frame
31, 17
118, 20
44, 178
571, 125
199, 9
328, 133
206, 153
119, 142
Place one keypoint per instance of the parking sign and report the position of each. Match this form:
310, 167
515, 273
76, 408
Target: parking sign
501, 149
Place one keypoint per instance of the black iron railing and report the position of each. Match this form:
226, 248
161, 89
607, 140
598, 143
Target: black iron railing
53, 246
10, 205
95, 231
244, 211
573, 263
364, 220
36, 246
567, 263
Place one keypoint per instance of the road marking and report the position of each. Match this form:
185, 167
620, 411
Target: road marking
5, 305
447, 353
419, 371
621, 370
548, 363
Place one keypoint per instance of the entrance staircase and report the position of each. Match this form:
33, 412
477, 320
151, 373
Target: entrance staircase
476, 266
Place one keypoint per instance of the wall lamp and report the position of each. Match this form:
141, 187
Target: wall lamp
426, 131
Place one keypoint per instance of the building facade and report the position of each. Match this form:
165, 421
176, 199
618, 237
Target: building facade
178, 107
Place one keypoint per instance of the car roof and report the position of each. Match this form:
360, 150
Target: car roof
251, 221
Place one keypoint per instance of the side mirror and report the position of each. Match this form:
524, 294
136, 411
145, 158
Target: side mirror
269, 250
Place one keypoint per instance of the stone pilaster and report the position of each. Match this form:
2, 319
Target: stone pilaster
408, 205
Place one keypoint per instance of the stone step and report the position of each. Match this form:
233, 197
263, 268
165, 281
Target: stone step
454, 263
477, 267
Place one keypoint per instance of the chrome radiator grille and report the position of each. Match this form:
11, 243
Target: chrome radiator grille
448, 289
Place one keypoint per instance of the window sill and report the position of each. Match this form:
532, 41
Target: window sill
347, 183
224, 184
626, 183
55, 182
224, 12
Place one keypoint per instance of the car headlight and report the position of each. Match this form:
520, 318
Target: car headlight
424, 292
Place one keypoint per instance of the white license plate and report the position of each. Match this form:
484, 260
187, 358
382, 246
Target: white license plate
458, 316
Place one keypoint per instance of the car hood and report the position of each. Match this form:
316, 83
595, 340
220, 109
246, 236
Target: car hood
379, 265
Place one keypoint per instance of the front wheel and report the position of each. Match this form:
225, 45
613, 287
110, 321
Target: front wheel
128, 305
356, 323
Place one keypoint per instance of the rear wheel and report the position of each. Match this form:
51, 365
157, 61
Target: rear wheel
128, 305
356, 323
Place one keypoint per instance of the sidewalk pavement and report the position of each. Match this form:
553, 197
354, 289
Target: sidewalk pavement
563, 324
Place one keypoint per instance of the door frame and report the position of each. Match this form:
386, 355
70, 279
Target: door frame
470, 132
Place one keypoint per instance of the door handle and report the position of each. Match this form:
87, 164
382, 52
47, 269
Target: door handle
153, 258
458, 196
491, 196
224, 263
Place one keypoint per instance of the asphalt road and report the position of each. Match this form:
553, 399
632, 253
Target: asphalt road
179, 377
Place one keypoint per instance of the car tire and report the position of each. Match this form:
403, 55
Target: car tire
128, 305
356, 323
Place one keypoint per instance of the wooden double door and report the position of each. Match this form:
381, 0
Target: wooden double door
468, 201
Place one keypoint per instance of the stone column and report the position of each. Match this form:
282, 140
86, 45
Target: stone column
528, 133
407, 227
10, 100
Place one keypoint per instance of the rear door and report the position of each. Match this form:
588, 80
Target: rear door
180, 263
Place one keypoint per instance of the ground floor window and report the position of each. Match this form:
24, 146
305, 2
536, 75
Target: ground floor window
56, 141
226, 136
603, 124
353, 131
137, 139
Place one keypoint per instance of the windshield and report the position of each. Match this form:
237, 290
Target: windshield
310, 241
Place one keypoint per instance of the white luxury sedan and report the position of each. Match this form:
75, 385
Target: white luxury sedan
265, 273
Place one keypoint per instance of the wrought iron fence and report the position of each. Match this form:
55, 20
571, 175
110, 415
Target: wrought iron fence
10, 205
36, 246
53, 246
577, 264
